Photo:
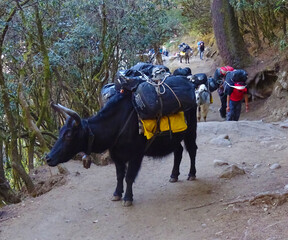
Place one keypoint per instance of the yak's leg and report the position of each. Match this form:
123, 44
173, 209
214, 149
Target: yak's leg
120, 171
190, 143
177, 160
205, 111
132, 171
190, 140
199, 113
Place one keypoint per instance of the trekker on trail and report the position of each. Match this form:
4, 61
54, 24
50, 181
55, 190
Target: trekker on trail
198, 45
201, 50
219, 78
236, 89
234, 102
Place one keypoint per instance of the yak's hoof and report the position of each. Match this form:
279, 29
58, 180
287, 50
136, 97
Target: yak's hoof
172, 180
127, 203
116, 198
191, 178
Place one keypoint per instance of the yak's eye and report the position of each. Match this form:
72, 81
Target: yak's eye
68, 135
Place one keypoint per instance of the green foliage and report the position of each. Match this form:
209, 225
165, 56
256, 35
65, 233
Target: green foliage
281, 6
261, 18
247, 4
87, 41
283, 43
197, 15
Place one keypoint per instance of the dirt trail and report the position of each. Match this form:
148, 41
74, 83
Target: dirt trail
243, 207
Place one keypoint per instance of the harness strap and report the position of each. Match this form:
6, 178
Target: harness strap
179, 103
124, 126
86, 159
237, 87
90, 140
151, 140
170, 129
158, 84
92, 136
158, 133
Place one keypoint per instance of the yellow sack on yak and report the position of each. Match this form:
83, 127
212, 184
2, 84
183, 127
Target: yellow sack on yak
182, 53
177, 123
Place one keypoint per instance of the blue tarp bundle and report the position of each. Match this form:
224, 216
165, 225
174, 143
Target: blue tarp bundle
182, 71
147, 68
213, 85
236, 76
184, 47
199, 78
130, 79
176, 93
107, 92
152, 99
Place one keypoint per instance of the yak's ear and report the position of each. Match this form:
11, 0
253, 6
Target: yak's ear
67, 112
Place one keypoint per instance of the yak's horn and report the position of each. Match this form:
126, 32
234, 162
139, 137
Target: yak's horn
57, 109
67, 112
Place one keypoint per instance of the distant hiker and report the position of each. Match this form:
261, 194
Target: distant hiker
151, 55
201, 50
236, 90
219, 78
165, 51
198, 45
151, 52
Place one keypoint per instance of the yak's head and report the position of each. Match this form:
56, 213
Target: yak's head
71, 138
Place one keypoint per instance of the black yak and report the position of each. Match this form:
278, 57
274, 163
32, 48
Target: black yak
116, 128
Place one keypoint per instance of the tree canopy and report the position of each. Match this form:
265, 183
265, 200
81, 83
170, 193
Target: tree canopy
64, 51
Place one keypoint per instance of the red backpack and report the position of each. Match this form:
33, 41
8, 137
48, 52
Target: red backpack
229, 68
224, 70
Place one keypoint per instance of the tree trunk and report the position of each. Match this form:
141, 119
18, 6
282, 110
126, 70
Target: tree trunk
13, 146
29, 122
46, 66
158, 55
11, 122
230, 42
284, 24
6, 193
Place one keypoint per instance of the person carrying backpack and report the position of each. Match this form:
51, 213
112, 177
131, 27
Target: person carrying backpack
201, 50
219, 78
236, 92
